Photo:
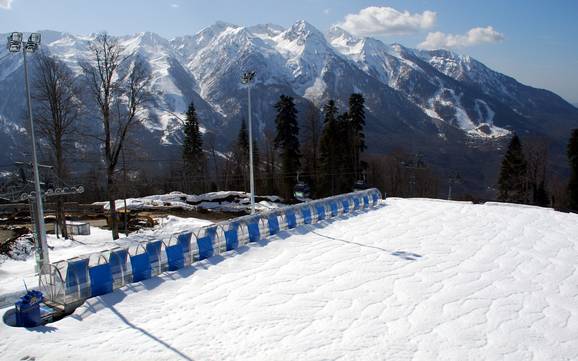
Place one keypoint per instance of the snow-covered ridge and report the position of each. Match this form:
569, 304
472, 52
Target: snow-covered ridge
205, 66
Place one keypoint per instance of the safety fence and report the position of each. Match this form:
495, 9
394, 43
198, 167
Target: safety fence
72, 281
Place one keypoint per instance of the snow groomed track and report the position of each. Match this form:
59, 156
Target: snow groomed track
413, 280
71, 282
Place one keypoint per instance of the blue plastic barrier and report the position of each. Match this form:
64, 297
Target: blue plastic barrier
273, 222
81, 282
334, 211
205, 247
77, 277
100, 279
175, 256
232, 236
185, 241
141, 267
345, 204
306, 213
291, 219
320, 209
117, 262
212, 232
154, 250
253, 227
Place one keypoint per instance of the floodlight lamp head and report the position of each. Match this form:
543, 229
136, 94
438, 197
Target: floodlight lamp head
30, 47
14, 48
248, 77
14, 42
15, 36
35, 38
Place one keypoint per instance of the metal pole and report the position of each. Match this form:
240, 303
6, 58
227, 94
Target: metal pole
252, 181
125, 207
42, 260
450, 191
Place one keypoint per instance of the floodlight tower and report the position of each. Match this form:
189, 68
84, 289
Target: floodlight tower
16, 44
247, 78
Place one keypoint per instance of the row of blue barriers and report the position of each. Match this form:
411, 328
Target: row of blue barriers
72, 281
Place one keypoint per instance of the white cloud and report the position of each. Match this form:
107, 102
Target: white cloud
384, 20
475, 36
326, 11
175, 6
5, 4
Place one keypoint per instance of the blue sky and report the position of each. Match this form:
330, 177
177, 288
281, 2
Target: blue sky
533, 41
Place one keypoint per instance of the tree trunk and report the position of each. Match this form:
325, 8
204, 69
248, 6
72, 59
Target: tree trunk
61, 218
112, 203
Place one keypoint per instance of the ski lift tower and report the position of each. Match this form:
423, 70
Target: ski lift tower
24, 190
453, 180
414, 166
16, 44
247, 78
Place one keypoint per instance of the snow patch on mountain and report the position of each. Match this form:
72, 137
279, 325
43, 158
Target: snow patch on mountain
396, 66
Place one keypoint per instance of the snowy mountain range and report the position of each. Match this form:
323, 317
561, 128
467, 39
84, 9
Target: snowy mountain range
449, 106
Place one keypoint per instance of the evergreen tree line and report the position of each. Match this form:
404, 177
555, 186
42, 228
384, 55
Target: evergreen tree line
326, 154
523, 176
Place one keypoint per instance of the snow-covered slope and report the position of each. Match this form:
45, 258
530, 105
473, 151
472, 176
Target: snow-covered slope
436, 93
414, 280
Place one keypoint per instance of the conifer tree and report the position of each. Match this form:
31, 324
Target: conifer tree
193, 156
345, 153
573, 159
329, 148
287, 142
512, 184
357, 121
540, 195
310, 147
241, 158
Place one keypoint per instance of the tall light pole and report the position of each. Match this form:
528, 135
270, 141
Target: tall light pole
16, 45
454, 179
247, 78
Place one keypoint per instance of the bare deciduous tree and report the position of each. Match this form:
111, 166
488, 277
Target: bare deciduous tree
120, 97
57, 110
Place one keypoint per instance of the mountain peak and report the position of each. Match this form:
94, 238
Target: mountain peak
145, 41
302, 30
335, 31
268, 29
341, 40
215, 29
149, 37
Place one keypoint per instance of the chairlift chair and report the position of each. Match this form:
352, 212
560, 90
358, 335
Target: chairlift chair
301, 191
360, 184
